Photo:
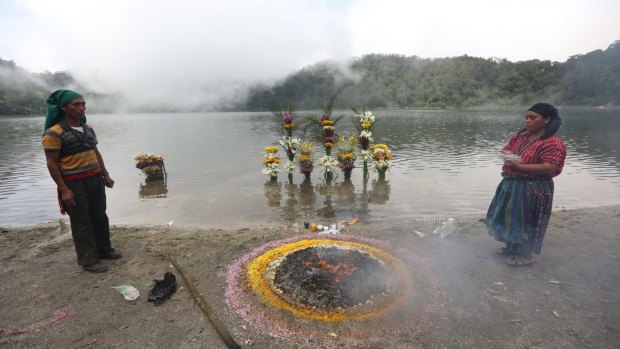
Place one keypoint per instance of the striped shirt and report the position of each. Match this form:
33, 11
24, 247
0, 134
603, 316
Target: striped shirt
550, 150
77, 150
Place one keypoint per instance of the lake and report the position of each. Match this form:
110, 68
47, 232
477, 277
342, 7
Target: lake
445, 164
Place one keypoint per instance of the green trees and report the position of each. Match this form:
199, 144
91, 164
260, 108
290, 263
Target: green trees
25, 93
593, 78
20, 92
397, 81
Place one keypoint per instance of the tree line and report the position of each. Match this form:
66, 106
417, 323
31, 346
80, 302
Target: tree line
385, 81
397, 81
24, 93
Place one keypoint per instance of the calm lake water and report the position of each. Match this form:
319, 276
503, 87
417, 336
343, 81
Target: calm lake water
446, 164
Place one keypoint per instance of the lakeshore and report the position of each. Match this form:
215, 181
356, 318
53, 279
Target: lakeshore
569, 298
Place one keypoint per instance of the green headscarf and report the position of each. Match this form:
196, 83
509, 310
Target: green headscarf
55, 101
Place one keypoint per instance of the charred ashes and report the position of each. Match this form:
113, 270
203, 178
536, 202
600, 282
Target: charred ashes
333, 277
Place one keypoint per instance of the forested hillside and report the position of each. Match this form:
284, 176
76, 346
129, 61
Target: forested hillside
396, 81
384, 81
24, 93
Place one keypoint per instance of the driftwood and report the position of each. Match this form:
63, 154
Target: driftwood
215, 321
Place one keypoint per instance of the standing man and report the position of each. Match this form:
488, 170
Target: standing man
77, 167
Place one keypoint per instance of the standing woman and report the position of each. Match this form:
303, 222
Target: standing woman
77, 168
521, 207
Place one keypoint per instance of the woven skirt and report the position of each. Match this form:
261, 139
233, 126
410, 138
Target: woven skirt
519, 212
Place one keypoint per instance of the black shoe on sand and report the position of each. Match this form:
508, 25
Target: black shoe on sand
111, 254
96, 267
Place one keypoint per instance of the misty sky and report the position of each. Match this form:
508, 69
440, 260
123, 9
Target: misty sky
178, 47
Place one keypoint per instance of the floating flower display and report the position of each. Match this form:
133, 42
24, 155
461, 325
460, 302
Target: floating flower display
271, 162
381, 156
306, 158
332, 290
345, 149
151, 165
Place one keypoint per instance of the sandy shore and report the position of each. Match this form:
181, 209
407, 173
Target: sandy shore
569, 298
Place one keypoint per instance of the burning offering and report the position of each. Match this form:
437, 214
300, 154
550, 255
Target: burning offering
308, 287
329, 280
329, 277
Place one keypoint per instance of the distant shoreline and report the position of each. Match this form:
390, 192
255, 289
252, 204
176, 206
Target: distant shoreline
316, 111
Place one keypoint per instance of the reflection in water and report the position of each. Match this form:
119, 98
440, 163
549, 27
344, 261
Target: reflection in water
328, 199
346, 195
380, 193
154, 188
364, 197
273, 193
327, 190
306, 196
291, 207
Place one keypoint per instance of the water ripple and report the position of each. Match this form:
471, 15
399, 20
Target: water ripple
445, 163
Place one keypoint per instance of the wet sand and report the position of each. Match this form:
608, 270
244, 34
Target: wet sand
569, 298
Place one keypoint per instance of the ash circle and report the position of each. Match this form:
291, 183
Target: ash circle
253, 294
332, 277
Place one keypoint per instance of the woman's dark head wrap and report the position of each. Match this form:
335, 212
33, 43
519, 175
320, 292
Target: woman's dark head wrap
547, 111
55, 101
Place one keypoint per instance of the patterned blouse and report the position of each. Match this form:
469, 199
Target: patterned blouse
551, 150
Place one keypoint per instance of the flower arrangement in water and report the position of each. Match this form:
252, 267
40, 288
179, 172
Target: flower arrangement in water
329, 138
381, 156
328, 163
287, 122
151, 165
289, 167
271, 162
290, 145
306, 159
345, 148
365, 155
366, 120
286, 118
327, 124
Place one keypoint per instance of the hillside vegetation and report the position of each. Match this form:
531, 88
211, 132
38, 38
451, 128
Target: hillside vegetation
396, 81
384, 81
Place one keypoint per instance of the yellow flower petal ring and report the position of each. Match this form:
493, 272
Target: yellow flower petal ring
258, 282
